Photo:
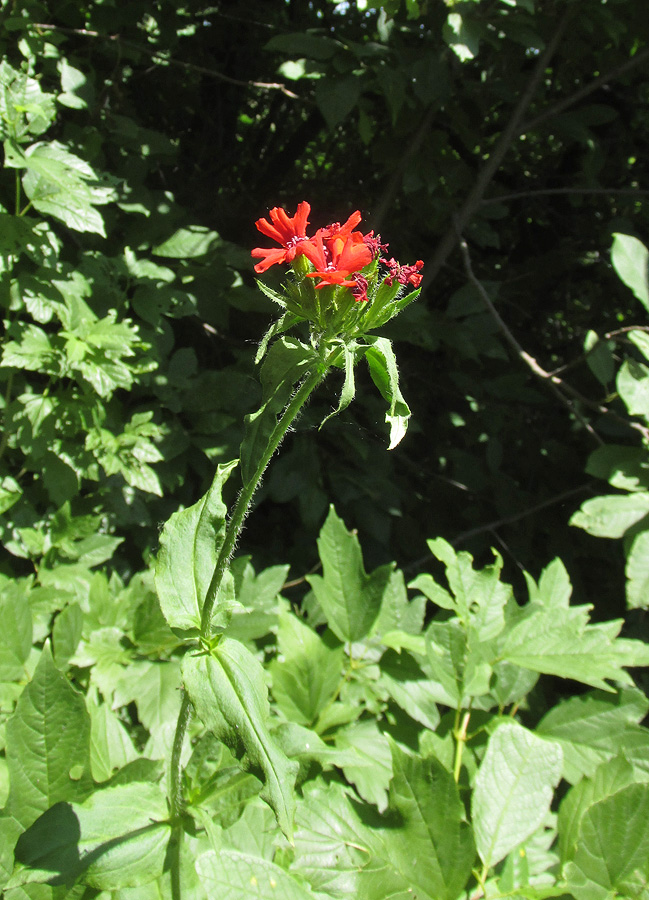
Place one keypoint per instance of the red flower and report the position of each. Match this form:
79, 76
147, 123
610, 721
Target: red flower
337, 252
288, 231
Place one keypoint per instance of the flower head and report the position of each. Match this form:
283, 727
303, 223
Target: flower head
403, 274
289, 231
337, 252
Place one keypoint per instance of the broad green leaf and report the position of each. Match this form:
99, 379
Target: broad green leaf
332, 844
629, 257
66, 634
595, 727
111, 747
258, 596
459, 669
385, 375
612, 856
116, 838
233, 875
371, 770
632, 384
599, 357
626, 468
229, 693
513, 789
188, 243
433, 849
613, 515
350, 599
609, 778
189, 546
637, 572
560, 641
47, 744
336, 97
410, 688
287, 361
397, 612
153, 687
307, 672
16, 631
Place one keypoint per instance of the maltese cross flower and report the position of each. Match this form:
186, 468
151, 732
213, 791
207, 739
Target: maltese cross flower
289, 231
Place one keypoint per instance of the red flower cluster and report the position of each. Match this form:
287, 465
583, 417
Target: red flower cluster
337, 252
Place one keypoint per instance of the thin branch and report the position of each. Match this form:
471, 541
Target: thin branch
502, 198
517, 517
511, 131
585, 91
557, 385
159, 56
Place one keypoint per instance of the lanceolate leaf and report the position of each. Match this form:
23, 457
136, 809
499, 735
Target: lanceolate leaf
385, 375
350, 599
229, 693
286, 362
48, 744
513, 790
434, 848
189, 548
351, 352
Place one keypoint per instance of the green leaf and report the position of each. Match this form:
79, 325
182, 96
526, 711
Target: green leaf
258, 597
371, 770
433, 849
350, 599
189, 546
66, 634
117, 838
410, 688
336, 97
609, 778
232, 875
630, 257
307, 672
153, 687
632, 384
599, 357
595, 727
229, 693
385, 375
611, 516
111, 747
612, 856
560, 641
188, 243
637, 572
348, 392
16, 631
47, 744
622, 466
513, 789
285, 364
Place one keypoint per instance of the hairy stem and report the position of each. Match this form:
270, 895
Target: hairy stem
241, 509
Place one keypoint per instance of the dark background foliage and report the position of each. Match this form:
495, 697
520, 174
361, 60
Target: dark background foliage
520, 124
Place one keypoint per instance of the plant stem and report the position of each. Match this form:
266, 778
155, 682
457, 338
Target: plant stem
241, 509
460, 738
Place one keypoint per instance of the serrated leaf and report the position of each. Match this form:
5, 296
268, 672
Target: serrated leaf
630, 258
595, 727
189, 546
117, 838
609, 778
433, 849
16, 631
47, 744
385, 375
612, 857
229, 693
286, 363
560, 641
371, 770
307, 672
513, 789
350, 599
233, 875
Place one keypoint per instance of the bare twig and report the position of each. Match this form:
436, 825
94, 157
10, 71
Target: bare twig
516, 517
557, 385
587, 89
521, 195
158, 56
511, 131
